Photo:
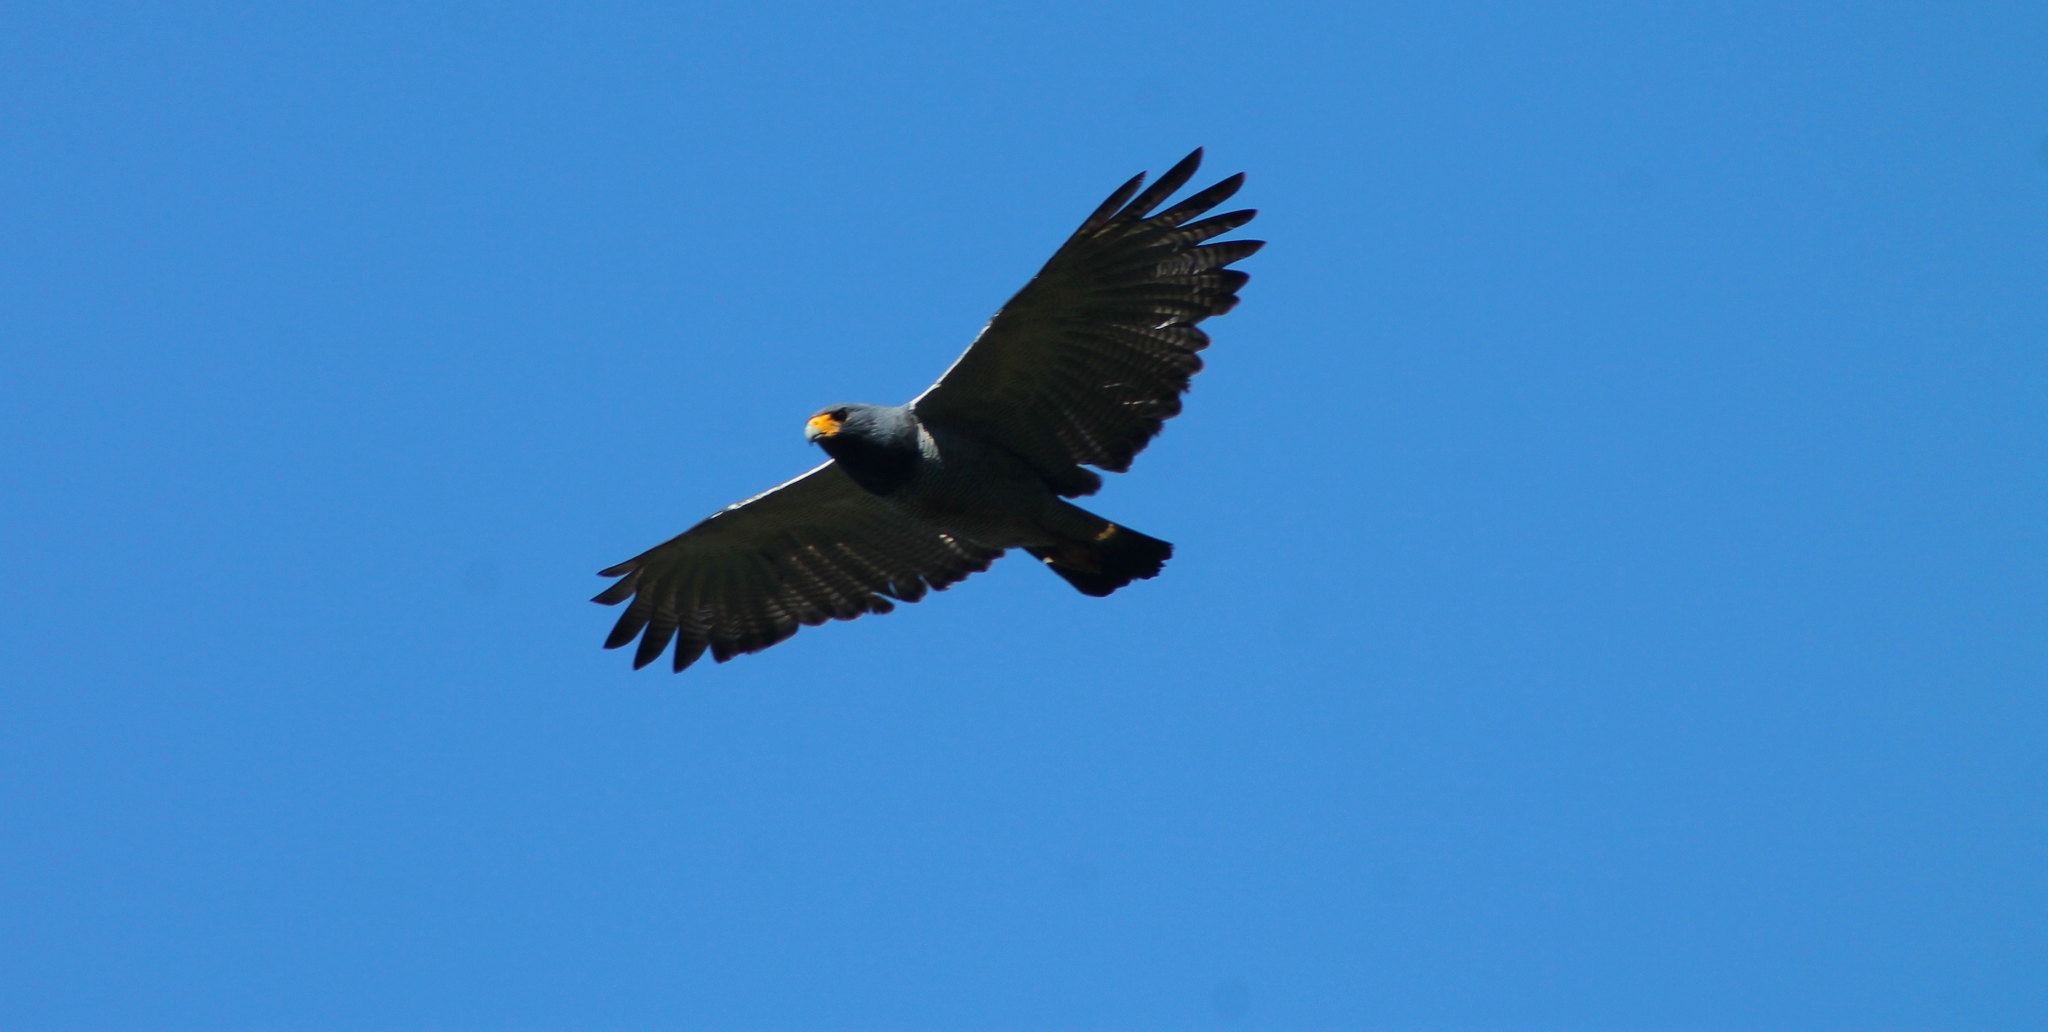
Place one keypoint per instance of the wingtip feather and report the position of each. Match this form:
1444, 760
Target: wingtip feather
1162, 188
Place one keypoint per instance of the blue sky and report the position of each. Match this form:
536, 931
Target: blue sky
1611, 531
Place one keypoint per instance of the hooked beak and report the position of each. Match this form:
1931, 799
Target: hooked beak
820, 425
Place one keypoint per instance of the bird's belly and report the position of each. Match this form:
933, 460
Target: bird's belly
997, 519
992, 499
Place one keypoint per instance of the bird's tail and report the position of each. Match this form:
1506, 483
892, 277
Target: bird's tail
1112, 558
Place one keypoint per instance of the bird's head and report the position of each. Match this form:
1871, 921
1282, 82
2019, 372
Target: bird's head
856, 424
874, 444
828, 423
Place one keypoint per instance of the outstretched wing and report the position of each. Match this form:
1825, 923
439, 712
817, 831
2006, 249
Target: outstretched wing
1092, 356
817, 548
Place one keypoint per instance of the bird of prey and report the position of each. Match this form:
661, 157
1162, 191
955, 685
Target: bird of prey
1079, 369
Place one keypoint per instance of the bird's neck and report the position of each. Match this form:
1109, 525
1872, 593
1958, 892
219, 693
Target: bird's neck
882, 467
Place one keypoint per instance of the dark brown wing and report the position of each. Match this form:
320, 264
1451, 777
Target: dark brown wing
1086, 362
817, 548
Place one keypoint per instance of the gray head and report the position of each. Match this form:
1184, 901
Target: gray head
875, 444
852, 421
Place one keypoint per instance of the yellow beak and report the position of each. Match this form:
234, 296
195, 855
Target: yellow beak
821, 425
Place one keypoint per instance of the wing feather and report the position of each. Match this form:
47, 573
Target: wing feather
1084, 365
814, 549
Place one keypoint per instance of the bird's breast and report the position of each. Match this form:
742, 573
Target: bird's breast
975, 491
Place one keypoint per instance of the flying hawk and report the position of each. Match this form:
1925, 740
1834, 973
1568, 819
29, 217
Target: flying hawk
1079, 369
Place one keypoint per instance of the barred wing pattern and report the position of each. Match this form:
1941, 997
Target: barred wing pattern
814, 549
1091, 357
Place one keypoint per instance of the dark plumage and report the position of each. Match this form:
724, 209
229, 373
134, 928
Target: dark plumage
1079, 369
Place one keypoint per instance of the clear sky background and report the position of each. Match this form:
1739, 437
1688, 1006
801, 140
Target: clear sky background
1612, 530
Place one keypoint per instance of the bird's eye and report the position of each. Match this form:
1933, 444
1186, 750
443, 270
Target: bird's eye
839, 415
